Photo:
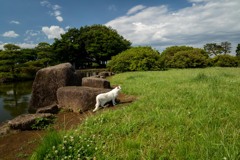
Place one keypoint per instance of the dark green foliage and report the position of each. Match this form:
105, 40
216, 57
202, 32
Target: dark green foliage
90, 44
194, 58
238, 50
184, 57
11, 47
214, 49
135, 59
225, 61
41, 123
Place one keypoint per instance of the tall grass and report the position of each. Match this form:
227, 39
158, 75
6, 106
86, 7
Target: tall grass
179, 114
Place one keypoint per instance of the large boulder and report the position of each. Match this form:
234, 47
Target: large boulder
78, 98
95, 82
27, 121
46, 83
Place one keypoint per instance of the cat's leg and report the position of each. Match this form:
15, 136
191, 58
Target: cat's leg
96, 105
113, 101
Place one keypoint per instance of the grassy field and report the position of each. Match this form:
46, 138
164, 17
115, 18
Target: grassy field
178, 114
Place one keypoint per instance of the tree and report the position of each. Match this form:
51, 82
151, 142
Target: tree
135, 59
213, 49
238, 50
226, 47
9, 62
45, 54
11, 47
70, 48
90, 44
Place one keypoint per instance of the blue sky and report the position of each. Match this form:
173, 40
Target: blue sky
156, 23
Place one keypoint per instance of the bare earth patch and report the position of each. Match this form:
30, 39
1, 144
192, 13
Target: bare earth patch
21, 144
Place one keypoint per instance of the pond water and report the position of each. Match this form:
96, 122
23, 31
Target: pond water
14, 99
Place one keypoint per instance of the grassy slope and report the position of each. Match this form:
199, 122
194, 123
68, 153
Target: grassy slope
179, 114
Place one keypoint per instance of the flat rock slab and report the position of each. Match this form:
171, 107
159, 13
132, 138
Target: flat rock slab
48, 109
95, 82
105, 74
78, 98
26, 121
4, 129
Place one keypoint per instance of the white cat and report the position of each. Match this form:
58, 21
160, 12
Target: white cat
103, 98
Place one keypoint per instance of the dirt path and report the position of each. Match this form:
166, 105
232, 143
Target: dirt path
20, 145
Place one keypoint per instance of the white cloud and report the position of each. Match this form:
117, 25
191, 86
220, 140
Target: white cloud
56, 7
135, 9
26, 45
112, 7
57, 13
14, 22
53, 31
211, 21
10, 34
59, 18
55, 10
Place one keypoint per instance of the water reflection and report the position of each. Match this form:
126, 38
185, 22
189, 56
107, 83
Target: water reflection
14, 99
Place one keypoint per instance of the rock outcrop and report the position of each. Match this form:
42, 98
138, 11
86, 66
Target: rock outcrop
46, 83
105, 74
78, 98
26, 121
95, 82
48, 109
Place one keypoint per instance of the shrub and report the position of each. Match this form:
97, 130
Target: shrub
225, 61
135, 59
194, 58
184, 57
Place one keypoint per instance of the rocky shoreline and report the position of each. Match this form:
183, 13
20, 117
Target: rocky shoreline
54, 88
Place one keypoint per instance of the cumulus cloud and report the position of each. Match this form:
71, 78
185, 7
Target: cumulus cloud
54, 10
204, 22
10, 34
135, 9
14, 22
53, 31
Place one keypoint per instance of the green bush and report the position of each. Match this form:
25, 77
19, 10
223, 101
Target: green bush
135, 59
194, 58
184, 57
225, 61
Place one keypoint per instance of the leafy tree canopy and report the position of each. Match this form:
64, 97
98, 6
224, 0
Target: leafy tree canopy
135, 59
171, 54
11, 47
214, 49
96, 43
225, 61
238, 50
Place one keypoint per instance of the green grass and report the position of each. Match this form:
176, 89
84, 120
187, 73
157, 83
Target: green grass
179, 114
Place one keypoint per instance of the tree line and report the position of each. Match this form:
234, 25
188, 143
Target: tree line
86, 47
94, 46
